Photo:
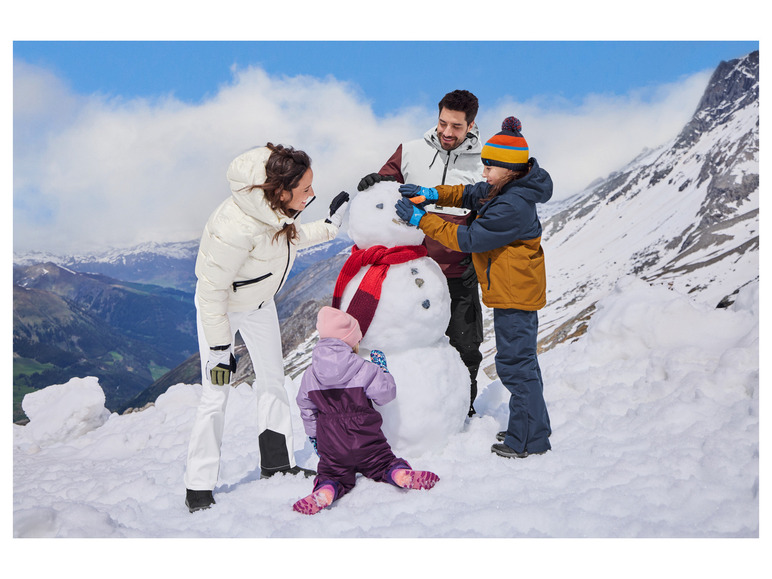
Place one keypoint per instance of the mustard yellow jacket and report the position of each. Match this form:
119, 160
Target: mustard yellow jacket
504, 239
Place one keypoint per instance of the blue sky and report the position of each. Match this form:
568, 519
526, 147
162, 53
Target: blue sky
392, 74
121, 142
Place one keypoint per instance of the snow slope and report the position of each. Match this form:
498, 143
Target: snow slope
656, 434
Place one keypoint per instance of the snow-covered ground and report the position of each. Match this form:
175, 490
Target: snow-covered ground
655, 416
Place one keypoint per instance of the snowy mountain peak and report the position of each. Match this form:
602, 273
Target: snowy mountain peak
684, 215
733, 86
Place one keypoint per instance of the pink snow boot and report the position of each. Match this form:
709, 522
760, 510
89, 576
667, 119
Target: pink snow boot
320, 499
414, 479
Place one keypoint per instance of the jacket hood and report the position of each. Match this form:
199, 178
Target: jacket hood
244, 174
469, 146
535, 187
334, 362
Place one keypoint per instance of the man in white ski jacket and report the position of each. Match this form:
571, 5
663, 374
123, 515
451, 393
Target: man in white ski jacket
448, 154
247, 249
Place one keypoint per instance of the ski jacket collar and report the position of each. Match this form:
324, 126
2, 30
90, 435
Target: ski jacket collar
245, 173
471, 145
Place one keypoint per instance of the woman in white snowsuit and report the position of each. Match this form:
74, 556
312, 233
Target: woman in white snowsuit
247, 249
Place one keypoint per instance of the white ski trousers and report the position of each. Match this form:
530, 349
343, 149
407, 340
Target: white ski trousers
260, 331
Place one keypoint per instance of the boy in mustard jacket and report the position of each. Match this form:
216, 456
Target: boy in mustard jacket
505, 243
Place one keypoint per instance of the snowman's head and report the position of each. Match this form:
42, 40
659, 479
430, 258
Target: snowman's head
373, 220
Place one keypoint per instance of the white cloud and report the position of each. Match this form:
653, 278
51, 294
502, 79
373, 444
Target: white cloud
120, 172
579, 143
92, 172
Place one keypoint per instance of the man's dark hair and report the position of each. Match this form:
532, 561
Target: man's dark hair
460, 100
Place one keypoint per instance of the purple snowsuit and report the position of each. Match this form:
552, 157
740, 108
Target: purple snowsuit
335, 400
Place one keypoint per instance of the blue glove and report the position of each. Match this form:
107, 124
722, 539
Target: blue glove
429, 194
379, 358
408, 212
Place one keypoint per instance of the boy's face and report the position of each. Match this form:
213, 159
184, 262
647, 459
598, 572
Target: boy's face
494, 174
452, 128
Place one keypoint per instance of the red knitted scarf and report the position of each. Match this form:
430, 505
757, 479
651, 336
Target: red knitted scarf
379, 257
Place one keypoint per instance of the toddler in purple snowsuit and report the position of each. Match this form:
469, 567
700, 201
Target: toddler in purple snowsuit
336, 404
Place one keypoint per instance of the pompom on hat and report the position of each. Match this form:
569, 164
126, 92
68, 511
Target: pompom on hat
335, 323
508, 148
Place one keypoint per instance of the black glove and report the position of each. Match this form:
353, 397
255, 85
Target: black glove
469, 277
372, 179
338, 209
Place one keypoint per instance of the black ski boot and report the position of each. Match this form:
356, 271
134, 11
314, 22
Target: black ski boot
503, 450
507, 452
198, 500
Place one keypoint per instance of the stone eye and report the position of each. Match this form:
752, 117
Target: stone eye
379, 206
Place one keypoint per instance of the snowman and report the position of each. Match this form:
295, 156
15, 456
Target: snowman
401, 300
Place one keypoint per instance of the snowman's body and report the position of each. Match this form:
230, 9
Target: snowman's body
409, 326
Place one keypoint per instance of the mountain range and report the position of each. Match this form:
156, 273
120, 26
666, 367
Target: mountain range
684, 215
68, 324
136, 336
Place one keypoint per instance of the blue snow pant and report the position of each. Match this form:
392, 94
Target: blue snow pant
528, 428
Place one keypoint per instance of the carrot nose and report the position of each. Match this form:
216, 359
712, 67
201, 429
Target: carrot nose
417, 200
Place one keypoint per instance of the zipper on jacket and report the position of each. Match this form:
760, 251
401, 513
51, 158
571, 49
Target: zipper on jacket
488, 272
238, 284
286, 266
445, 170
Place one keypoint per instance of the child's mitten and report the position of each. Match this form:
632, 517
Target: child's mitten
379, 358
420, 196
409, 213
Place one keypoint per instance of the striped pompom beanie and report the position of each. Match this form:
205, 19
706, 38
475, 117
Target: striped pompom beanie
508, 148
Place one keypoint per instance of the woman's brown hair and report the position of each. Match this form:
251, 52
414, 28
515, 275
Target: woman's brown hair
283, 171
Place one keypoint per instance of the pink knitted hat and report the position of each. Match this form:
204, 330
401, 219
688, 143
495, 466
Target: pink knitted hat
335, 323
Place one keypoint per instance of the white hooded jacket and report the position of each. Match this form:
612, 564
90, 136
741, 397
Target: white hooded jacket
239, 265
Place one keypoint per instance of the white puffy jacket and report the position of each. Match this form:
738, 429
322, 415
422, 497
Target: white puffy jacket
239, 265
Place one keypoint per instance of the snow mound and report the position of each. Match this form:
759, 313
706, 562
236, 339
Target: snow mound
64, 411
663, 444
